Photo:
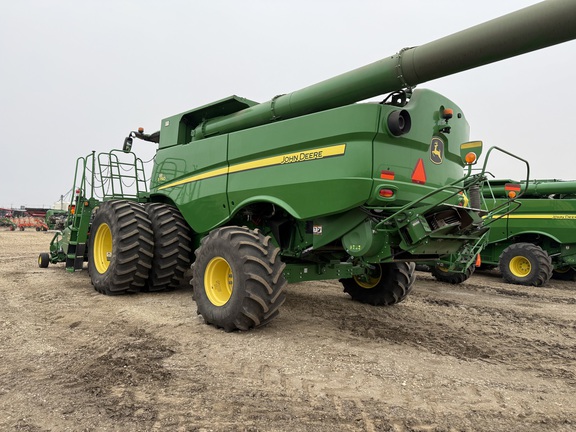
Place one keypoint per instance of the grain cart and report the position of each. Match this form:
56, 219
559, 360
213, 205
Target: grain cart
538, 240
309, 185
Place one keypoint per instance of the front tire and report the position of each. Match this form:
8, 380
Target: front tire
43, 260
121, 247
525, 264
386, 285
172, 247
237, 279
564, 273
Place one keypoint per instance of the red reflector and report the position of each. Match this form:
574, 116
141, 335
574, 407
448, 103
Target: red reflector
419, 174
512, 187
386, 193
387, 175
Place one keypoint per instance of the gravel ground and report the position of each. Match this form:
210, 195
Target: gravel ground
480, 356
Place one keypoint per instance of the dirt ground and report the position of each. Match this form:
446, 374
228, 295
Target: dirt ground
481, 356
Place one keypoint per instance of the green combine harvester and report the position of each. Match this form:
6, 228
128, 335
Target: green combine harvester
533, 240
537, 240
310, 185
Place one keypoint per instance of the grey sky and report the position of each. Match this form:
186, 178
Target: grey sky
77, 76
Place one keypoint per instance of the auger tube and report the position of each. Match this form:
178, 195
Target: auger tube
535, 27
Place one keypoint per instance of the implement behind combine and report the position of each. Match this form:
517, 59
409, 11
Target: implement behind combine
309, 185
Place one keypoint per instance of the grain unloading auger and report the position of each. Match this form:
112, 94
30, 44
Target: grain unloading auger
310, 185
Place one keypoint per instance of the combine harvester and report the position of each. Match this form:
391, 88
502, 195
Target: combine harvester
534, 240
538, 240
307, 186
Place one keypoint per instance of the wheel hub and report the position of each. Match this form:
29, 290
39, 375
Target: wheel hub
370, 279
218, 281
102, 248
520, 266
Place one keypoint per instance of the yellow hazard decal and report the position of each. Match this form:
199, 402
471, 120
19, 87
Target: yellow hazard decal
288, 158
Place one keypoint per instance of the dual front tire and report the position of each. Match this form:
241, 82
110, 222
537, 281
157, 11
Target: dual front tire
134, 248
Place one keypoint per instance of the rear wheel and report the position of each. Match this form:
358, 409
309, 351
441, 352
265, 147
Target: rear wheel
120, 248
237, 279
443, 275
525, 264
172, 247
43, 260
564, 273
387, 284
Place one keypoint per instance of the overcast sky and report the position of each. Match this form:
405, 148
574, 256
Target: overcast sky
77, 76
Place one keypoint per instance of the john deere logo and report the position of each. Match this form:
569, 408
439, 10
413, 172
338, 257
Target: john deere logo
437, 150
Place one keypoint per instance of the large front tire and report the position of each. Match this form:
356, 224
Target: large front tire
525, 264
172, 247
237, 279
386, 285
121, 247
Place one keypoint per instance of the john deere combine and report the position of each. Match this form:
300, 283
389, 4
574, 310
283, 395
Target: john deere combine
309, 185
538, 239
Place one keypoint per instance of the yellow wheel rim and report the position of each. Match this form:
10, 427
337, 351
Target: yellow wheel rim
370, 280
218, 281
520, 266
39, 260
102, 250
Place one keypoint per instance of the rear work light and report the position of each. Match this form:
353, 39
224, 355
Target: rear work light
470, 158
470, 152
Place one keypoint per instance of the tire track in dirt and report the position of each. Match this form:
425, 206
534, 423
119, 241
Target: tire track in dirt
555, 291
477, 358
468, 331
111, 376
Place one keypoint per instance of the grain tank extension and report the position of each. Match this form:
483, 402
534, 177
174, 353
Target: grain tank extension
310, 185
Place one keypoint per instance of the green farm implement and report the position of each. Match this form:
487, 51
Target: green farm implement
310, 185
